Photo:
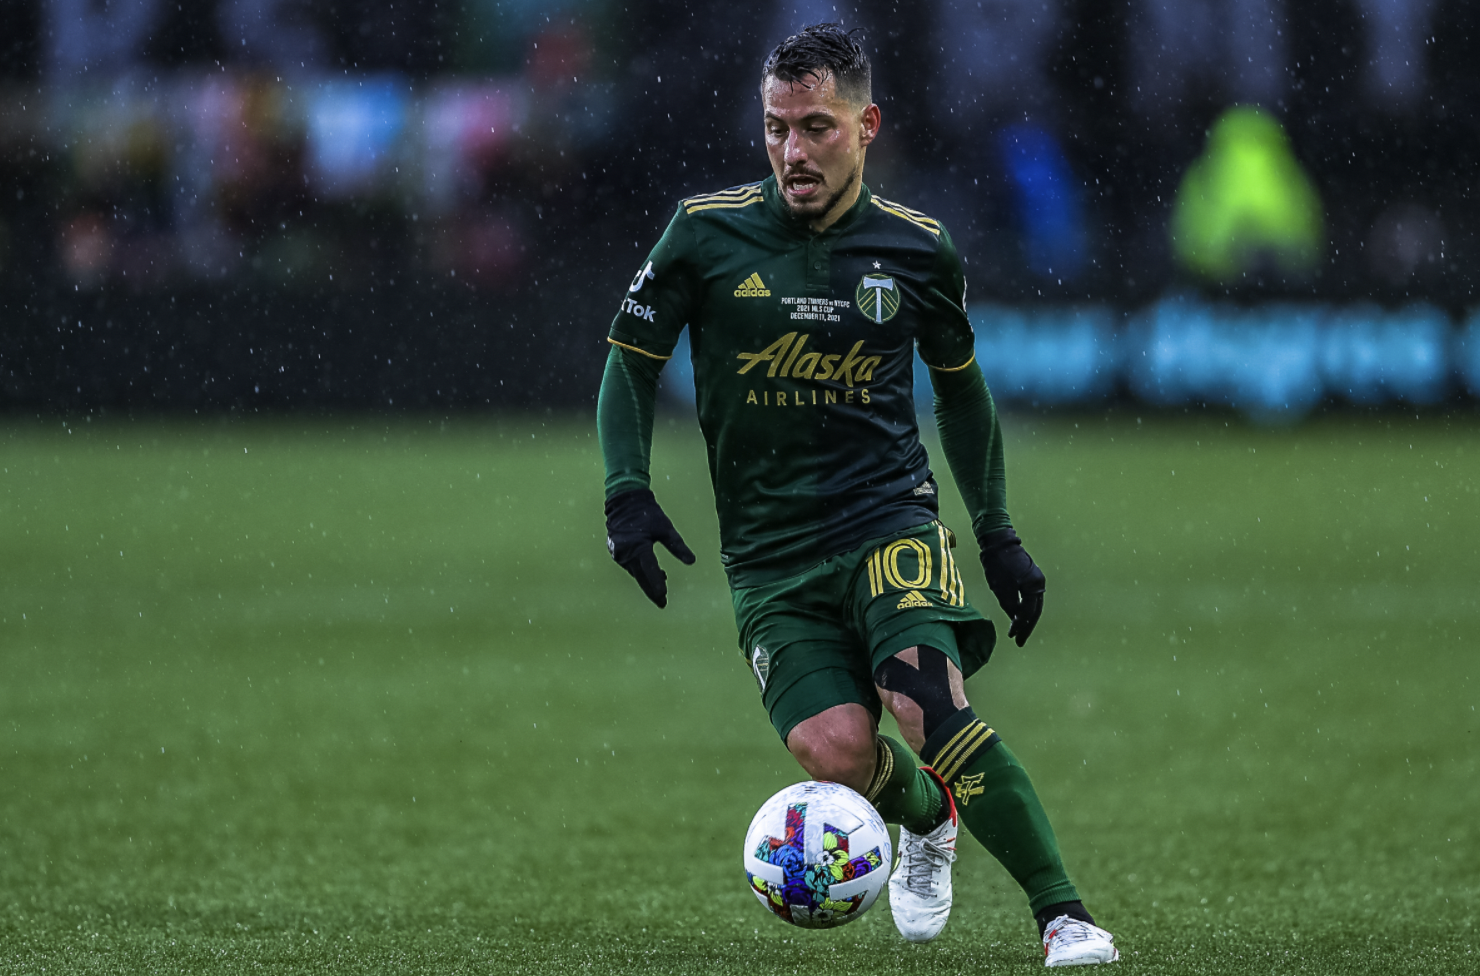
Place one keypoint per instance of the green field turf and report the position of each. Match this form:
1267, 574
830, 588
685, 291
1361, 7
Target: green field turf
364, 696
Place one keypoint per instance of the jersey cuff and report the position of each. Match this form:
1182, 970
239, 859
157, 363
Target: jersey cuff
954, 369
653, 355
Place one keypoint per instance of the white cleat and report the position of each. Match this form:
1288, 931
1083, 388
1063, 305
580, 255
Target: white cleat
920, 887
1070, 942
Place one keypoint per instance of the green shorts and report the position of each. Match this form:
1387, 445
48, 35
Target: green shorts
814, 640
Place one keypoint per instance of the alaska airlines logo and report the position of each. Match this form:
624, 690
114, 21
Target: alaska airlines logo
753, 287
787, 359
877, 297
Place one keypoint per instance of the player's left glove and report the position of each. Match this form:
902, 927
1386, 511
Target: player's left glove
1015, 581
633, 523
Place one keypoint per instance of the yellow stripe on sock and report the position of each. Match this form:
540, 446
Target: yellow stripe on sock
950, 746
949, 769
964, 752
883, 769
968, 748
971, 752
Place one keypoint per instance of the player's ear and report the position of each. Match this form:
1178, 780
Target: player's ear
868, 123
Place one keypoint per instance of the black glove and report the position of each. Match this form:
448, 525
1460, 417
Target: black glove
1015, 581
633, 523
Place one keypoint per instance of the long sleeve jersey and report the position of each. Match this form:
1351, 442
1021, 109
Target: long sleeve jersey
803, 351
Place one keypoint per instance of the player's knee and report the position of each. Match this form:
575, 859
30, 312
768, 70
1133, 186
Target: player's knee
849, 765
926, 687
836, 746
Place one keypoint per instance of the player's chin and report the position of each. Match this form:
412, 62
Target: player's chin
807, 204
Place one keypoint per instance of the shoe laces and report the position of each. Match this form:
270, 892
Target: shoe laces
1067, 931
924, 857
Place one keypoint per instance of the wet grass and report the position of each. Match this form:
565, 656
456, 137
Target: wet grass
341, 697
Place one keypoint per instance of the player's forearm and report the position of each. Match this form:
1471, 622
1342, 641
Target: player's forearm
624, 418
972, 442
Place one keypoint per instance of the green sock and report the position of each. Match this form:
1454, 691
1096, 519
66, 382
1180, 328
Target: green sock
997, 803
902, 792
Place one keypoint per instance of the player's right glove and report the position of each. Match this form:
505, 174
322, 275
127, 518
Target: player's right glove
633, 523
1015, 581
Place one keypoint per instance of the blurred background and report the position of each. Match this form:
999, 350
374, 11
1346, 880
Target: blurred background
247, 204
311, 679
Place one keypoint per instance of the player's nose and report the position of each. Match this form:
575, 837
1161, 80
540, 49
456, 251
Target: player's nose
794, 151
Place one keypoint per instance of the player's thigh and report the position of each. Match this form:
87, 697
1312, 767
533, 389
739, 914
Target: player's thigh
908, 592
922, 687
801, 651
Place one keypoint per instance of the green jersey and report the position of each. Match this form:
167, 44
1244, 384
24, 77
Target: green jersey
803, 351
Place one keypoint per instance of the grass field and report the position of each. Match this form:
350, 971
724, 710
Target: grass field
365, 696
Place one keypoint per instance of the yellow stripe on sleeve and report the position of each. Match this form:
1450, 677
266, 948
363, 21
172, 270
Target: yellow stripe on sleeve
644, 352
954, 369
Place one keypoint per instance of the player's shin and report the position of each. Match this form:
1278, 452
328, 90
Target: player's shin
902, 792
997, 803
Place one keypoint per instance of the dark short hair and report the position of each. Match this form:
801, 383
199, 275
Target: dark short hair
819, 51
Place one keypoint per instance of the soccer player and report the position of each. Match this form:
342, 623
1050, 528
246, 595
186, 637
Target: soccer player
805, 296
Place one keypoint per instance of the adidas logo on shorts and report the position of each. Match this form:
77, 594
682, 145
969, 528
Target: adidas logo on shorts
753, 287
912, 599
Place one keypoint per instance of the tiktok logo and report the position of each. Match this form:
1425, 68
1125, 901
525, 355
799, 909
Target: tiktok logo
643, 277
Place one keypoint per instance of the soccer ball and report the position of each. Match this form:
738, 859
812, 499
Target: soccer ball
817, 855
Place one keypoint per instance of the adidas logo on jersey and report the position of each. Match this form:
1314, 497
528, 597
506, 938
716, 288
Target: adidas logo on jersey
753, 287
912, 599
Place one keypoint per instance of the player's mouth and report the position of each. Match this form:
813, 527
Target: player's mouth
803, 186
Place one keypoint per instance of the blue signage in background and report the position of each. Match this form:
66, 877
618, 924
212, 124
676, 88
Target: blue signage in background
1273, 362
1369, 356
1045, 355
1262, 360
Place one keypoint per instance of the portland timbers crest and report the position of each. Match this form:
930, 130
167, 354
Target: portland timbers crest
877, 297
